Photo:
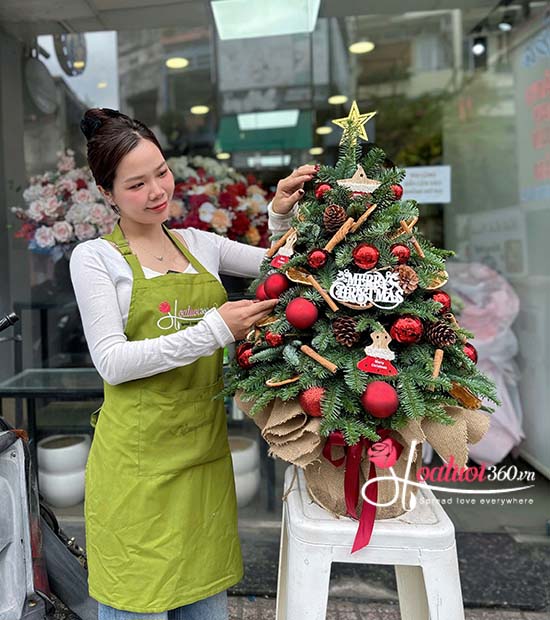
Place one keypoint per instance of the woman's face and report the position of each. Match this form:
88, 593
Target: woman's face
143, 185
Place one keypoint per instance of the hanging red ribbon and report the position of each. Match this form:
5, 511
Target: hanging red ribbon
352, 458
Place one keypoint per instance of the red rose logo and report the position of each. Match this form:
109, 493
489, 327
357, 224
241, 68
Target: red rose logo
385, 453
164, 306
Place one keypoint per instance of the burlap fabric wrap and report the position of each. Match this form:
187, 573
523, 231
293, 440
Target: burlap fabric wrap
293, 436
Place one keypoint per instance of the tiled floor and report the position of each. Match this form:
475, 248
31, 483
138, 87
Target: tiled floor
264, 609
251, 608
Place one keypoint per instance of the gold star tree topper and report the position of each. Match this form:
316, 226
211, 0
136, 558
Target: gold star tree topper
354, 123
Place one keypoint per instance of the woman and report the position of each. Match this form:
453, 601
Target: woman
161, 517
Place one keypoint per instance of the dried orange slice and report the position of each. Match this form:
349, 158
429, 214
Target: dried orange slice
298, 275
464, 396
438, 280
268, 320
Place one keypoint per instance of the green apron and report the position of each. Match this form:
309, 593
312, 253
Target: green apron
161, 512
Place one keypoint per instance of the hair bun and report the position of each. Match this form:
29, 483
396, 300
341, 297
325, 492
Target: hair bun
89, 125
111, 113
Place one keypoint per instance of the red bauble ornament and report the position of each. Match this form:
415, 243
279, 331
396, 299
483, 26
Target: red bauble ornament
470, 351
310, 401
321, 190
365, 256
397, 191
444, 299
275, 285
301, 313
317, 258
243, 353
274, 340
260, 292
401, 252
380, 399
407, 329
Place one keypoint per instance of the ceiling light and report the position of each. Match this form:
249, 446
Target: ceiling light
177, 62
323, 131
361, 47
200, 109
316, 150
268, 120
223, 155
102, 84
266, 161
242, 19
505, 24
478, 48
337, 99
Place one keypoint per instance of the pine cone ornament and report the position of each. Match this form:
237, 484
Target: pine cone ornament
440, 334
333, 217
344, 331
407, 278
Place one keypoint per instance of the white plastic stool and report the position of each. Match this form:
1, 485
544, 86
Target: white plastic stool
420, 543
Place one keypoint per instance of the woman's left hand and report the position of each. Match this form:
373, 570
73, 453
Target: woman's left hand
290, 189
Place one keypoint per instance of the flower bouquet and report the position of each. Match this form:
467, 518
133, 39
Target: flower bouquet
63, 207
213, 196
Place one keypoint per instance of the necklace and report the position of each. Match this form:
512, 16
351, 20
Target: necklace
159, 258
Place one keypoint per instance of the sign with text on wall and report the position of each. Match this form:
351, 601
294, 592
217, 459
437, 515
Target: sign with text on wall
497, 238
428, 184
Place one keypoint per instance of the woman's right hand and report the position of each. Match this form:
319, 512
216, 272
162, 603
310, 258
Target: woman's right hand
240, 316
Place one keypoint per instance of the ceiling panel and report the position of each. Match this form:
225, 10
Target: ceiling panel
110, 5
39, 10
28, 18
343, 8
182, 15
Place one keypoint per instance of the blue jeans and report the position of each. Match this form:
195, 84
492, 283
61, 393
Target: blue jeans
211, 608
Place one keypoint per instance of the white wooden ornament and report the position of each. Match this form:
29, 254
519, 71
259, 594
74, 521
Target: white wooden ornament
359, 183
382, 290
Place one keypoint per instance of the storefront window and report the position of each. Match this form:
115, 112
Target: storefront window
462, 101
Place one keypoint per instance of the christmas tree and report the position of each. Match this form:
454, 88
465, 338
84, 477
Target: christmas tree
363, 334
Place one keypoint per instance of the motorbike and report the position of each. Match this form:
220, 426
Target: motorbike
37, 559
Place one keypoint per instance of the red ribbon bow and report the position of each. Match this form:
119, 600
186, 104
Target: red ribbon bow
352, 459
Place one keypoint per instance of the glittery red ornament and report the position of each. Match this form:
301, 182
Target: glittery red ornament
317, 258
310, 401
397, 191
401, 252
380, 399
470, 351
365, 256
444, 299
301, 313
260, 292
274, 340
407, 329
275, 285
321, 190
243, 353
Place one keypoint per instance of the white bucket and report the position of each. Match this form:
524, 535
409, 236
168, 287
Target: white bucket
245, 454
61, 468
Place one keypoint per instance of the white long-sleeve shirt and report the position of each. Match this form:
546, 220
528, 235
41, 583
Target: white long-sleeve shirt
102, 281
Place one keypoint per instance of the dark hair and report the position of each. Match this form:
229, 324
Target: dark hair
111, 135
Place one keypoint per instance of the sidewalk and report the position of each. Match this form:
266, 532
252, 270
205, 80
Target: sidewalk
242, 608
254, 608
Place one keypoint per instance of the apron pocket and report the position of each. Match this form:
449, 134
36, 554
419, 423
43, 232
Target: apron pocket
178, 431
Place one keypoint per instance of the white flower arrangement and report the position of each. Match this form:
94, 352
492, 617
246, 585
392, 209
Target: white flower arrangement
63, 207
